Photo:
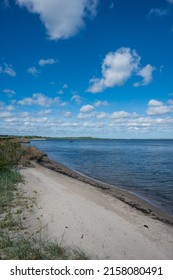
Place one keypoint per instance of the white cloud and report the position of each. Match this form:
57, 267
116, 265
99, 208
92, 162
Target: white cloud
170, 101
158, 12
7, 69
119, 115
93, 125
146, 73
10, 108
33, 70
101, 115
62, 104
77, 99
87, 109
9, 92
155, 103
158, 108
5, 114
61, 91
101, 103
86, 115
49, 61
39, 99
61, 18
117, 68
66, 114
44, 112
24, 114
170, 1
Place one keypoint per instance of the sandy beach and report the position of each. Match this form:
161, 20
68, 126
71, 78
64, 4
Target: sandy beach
80, 215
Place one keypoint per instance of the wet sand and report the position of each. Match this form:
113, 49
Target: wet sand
123, 195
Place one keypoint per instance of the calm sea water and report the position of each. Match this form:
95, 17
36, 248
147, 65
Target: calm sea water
144, 167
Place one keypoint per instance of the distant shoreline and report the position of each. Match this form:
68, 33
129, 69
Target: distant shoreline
40, 138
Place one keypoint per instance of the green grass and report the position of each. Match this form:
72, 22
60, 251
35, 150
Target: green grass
8, 185
25, 249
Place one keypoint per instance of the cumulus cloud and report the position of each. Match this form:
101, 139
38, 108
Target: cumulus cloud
10, 108
170, 101
155, 103
113, 124
160, 110
119, 115
76, 98
49, 61
101, 103
66, 114
146, 73
6, 114
118, 67
87, 109
86, 115
33, 71
7, 69
156, 107
39, 99
61, 18
101, 115
86, 112
44, 112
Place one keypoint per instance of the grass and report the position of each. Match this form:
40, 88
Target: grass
16, 242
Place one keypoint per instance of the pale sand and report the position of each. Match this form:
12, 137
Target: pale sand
82, 216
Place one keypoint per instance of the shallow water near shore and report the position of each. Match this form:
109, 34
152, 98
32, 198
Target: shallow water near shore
143, 167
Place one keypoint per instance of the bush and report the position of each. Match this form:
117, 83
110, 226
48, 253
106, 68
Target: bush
10, 154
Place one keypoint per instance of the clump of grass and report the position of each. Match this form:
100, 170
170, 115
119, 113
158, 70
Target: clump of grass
36, 249
8, 182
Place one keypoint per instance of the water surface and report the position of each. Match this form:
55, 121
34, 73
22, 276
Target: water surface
141, 166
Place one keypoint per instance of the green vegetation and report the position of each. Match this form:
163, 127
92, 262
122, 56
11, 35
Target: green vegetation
16, 241
10, 155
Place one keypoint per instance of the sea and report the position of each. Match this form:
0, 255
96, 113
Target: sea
142, 167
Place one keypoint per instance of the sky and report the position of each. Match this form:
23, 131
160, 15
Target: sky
99, 68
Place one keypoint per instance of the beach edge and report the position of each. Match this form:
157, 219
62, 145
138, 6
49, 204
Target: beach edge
124, 195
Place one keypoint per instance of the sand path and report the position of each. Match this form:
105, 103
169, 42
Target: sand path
82, 216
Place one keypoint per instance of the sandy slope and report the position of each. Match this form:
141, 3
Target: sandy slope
80, 215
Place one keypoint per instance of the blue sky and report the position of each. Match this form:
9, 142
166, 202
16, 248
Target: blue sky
86, 68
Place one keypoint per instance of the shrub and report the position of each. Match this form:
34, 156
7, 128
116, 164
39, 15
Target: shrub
10, 154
